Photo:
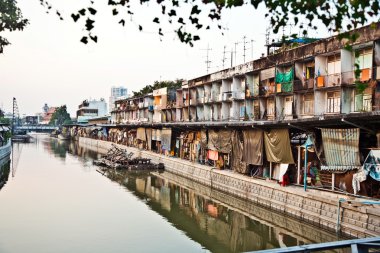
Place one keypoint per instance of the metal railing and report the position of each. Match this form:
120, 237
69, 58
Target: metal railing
356, 245
348, 77
240, 95
329, 80
307, 84
267, 89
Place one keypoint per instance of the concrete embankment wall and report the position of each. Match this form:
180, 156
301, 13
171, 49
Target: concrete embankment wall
315, 207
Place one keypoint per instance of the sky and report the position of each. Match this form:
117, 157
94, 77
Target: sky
47, 63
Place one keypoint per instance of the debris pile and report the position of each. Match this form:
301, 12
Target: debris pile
119, 158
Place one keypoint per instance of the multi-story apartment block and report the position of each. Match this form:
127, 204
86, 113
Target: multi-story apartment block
133, 110
314, 80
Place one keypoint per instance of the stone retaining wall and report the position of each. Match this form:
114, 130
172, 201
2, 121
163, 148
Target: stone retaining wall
315, 207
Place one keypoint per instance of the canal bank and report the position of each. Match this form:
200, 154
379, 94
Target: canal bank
316, 207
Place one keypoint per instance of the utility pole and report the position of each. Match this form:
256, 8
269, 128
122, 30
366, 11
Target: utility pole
207, 57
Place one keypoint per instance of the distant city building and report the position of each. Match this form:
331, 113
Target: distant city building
89, 109
30, 120
46, 117
117, 93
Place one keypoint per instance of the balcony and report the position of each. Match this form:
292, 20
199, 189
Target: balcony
348, 78
216, 97
327, 81
141, 105
266, 90
147, 104
238, 95
227, 96
300, 85
187, 102
200, 100
193, 101
284, 87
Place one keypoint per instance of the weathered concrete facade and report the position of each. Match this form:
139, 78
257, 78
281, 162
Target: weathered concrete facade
315, 207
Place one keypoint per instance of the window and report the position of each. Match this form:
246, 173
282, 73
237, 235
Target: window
270, 107
363, 101
308, 104
288, 106
333, 102
364, 58
333, 64
256, 109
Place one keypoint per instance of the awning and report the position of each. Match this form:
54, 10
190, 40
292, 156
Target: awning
372, 164
141, 134
220, 141
341, 147
277, 146
166, 136
253, 146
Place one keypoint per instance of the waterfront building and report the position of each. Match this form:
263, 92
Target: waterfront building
117, 93
91, 108
237, 118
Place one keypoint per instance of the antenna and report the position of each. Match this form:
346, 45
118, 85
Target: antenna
236, 43
224, 56
207, 57
267, 39
252, 49
245, 48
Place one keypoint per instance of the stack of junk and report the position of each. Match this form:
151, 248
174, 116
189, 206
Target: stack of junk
119, 158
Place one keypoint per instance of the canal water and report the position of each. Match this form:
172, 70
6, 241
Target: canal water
53, 199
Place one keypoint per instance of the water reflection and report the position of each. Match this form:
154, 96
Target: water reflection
5, 168
61, 148
216, 226
220, 223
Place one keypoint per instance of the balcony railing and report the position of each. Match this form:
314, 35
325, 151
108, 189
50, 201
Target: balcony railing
227, 96
329, 80
216, 97
200, 100
187, 102
193, 101
348, 77
284, 87
307, 84
265, 90
239, 95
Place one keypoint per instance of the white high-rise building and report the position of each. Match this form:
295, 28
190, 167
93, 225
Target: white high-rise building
116, 93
